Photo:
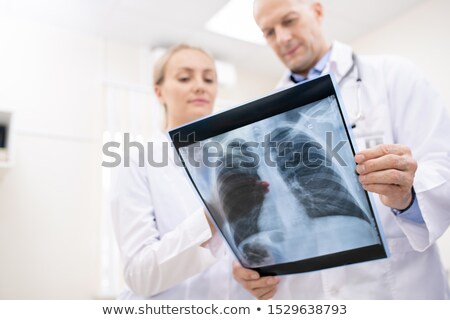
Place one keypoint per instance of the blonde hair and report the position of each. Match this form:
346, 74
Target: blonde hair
159, 69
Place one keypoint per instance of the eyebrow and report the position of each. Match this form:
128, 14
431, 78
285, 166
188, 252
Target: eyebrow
282, 18
191, 69
290, 13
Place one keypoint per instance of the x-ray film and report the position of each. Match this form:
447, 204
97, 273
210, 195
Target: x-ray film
277, 176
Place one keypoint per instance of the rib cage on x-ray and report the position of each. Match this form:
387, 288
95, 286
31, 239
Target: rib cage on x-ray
307, 169
241, 196
317, 187
281, 223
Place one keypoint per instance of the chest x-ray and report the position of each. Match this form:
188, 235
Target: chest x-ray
281, 186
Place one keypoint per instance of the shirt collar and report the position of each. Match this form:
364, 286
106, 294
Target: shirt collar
315, 71
339, 63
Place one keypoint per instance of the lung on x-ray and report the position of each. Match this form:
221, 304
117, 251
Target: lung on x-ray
277, 176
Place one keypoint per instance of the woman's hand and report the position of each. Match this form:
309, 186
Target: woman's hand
262, 288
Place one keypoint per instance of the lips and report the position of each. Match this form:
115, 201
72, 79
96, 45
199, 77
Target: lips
199, 101
290, 52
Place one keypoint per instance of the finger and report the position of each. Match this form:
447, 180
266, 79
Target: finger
268, 295
262, 283
269, 285
262, 291
381, 150
391, 176
242, 274
262, 186
265, 186
382, 189
391, 161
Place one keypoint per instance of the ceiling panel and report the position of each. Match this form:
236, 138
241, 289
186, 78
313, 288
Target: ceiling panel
177, 12
156, 23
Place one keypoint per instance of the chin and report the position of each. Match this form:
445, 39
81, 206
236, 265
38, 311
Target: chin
200, 114
298, 68
298, 65
204, 110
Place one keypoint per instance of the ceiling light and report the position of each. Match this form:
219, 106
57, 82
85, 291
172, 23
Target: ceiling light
235, 20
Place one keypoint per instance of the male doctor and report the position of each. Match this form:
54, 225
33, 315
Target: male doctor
401, 126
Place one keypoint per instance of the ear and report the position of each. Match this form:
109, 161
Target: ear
158, 93
317, 9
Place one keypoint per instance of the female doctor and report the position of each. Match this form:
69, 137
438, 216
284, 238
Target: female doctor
167, 245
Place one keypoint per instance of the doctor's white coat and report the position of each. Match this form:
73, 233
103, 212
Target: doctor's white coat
398, 106
160, 225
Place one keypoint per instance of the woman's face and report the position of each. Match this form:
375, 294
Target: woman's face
189, 87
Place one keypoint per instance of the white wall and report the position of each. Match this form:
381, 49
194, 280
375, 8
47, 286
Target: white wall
51, 207
248, 87
48, 201
421, 35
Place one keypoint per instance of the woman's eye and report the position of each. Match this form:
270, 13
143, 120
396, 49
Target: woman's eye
269, 33
209, 80
183, 79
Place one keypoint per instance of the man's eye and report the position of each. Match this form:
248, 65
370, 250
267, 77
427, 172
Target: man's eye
289, 22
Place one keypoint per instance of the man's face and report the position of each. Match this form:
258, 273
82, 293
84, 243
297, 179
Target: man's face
293, 29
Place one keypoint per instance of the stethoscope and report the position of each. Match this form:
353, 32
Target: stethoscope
355, 64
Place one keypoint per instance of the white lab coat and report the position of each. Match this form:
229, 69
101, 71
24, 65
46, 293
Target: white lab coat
159, 224
399, 106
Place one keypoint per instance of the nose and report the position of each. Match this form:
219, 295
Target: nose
199, 85
283, 35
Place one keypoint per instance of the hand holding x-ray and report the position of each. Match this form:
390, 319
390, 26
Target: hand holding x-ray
262, 288
388, 170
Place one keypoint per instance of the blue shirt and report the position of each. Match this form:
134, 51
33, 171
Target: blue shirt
413, 212
314, 72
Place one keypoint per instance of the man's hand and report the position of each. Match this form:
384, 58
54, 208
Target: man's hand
262, 288
388, 169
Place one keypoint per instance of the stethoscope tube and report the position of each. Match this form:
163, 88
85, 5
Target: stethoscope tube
346, 76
